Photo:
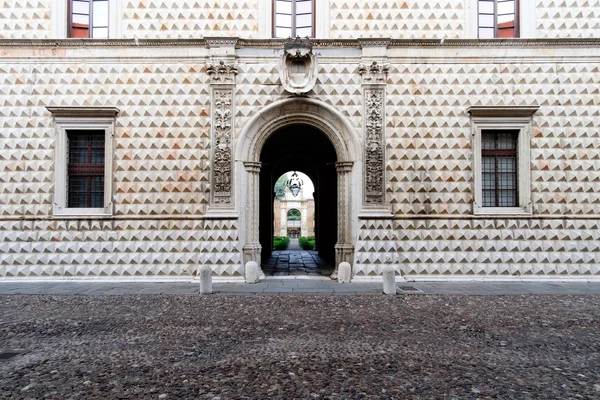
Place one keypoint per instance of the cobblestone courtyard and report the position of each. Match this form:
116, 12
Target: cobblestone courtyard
300, 347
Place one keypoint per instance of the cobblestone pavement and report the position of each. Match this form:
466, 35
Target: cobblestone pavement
296, 262
300, 347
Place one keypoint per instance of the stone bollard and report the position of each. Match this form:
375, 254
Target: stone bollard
389, 279
344, 272
252, 272
205, 279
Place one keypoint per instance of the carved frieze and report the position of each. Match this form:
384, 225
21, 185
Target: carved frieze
374, 73
222, 123
374, 146
221, 72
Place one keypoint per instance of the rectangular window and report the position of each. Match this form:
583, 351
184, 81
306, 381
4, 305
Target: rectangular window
498, 19
85, 170
499, 168
83, 166
88, 19
293, 18
501, 159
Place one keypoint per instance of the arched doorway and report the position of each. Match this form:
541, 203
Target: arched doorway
342, 136
305, 149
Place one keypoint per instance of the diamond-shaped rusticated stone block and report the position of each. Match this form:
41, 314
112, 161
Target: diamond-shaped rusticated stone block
118, 248
168, 19
376, 246
220, 247
510, 248
25, 19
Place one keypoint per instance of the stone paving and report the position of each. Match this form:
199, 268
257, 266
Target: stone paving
234, 346
300, 285
296, 262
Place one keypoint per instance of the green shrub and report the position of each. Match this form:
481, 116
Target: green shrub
281, 242
306, 242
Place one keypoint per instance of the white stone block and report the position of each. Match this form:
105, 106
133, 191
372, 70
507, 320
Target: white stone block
252, 272
344, 272
205, 279
389, 279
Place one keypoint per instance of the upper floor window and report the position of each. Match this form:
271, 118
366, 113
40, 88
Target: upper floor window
88, 19
498, 19
293, 18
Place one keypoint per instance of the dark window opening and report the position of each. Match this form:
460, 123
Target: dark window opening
499, 166
293, 18
498, 19
85, 169
88, 19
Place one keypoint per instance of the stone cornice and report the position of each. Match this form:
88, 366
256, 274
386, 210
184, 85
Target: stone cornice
317, 43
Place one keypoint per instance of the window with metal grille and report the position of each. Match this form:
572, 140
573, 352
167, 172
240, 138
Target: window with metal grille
88, 19
293, 18
499, 166
85, 168
498, 18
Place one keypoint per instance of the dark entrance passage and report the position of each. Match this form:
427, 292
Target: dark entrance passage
304, 149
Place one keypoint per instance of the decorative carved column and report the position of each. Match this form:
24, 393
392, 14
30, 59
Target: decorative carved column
222, 82
343, 248
252, 249
376, 244
374, 78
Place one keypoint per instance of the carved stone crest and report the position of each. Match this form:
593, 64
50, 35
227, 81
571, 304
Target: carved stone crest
298, 66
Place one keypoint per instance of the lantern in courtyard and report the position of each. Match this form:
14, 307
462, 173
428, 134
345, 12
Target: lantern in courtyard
294, 184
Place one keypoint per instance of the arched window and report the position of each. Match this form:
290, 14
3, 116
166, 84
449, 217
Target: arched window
293, 18
293, 215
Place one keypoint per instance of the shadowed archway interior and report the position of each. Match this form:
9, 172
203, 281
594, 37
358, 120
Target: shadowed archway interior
304, 149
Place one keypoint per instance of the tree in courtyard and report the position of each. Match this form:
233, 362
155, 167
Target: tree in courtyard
280, 187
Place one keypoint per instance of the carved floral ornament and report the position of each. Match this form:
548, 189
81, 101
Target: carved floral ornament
374, 73
298, 66
221, 72
374, 146
222, 150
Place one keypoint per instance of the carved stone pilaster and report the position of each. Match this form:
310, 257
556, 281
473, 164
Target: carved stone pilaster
374, 136
344, 250
374, 78
222, 81
252, 250
222, 147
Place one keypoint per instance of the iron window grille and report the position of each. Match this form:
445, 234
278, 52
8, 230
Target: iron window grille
499, 168
85, 168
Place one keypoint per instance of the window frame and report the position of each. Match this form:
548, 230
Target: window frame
82, 119
293, 28
526, 20
517, 27
61, 19
503, 118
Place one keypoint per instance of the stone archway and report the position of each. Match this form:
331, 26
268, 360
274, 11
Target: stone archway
345, 141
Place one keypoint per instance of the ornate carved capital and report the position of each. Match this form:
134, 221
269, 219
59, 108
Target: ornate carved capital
222, 154
343, 166
374, 73
221, 72
374, 133
252, 166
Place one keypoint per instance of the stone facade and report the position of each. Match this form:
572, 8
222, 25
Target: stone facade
185, 143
